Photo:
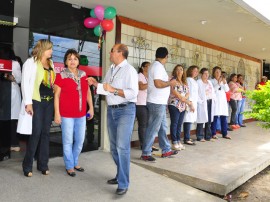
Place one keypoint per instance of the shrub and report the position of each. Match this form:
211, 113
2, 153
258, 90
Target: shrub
260, 106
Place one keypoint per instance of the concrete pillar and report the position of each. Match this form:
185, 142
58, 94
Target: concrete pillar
106, 63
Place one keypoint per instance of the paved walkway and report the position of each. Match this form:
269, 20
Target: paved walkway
223, 164
91, 185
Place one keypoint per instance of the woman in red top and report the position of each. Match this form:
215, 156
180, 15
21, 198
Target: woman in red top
71, 94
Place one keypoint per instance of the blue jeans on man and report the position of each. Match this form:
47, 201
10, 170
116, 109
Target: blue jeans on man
120, 122
157, 124
73, 134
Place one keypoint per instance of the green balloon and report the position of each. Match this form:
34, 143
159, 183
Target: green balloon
110, 13
92, 13
97, 30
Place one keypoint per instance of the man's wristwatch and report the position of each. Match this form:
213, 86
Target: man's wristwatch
115, 92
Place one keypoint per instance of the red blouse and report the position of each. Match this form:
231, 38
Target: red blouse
69, 103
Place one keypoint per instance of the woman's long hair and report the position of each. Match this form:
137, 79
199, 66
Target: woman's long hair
41, 46
174, 74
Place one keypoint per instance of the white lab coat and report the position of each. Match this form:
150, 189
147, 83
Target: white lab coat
15, 90
191, 117
221, 105
28, 81
202, 115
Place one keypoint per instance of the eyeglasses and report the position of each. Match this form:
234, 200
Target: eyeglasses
112, 51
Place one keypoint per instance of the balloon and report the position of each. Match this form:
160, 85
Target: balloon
110, 13
107, 25
97, 30
99, 12
91, 22
92, 13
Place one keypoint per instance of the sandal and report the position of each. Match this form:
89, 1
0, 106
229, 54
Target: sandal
202, 140
215, 137
28, 174
227, 137
189, 142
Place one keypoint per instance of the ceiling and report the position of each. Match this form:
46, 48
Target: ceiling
227, 21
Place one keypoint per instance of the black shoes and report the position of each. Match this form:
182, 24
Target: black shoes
121, 191
72, 174
112, 181
80, 169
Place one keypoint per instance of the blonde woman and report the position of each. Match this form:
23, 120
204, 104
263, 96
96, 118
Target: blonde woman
36, 113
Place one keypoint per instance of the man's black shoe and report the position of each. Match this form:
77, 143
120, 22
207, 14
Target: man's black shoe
112, 181
121, 191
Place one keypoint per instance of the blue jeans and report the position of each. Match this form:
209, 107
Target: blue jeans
73, 134
218, 125
223, 124
187, 127
120, 122
177, 118
157, 124
240, 110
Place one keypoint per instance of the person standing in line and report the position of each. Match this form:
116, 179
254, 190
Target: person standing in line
236, 97
121, 89
178, 103
71, 94
158, 92
221, 107
191, 114
37, 106
242, 103
205, 106
141, 109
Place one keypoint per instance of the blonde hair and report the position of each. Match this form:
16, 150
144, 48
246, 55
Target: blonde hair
41, 46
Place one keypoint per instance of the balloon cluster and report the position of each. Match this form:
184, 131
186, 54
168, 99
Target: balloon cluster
101, 21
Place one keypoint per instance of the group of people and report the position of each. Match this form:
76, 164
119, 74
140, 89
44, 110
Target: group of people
146, 95
204, 101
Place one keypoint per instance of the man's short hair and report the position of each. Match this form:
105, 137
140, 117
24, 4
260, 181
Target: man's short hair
161, 52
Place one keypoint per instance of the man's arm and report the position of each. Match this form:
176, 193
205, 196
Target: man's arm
163, 84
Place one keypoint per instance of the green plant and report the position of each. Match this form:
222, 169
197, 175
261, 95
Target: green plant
260, 106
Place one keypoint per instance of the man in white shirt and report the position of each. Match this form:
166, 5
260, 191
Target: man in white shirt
121, 89
157, 98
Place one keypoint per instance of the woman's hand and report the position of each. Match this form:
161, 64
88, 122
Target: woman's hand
192, 109
91, 112
57, 119
29, 109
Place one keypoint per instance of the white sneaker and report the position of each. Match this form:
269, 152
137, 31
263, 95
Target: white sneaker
182, 147
176, 147
16, 149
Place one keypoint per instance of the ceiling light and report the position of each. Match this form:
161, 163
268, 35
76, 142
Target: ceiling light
240, 39
203, 22
263, 49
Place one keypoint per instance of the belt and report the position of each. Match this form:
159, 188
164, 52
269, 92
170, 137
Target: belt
47, 98
120, 105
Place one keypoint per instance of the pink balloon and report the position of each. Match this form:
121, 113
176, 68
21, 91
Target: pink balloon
99, 12
91, 22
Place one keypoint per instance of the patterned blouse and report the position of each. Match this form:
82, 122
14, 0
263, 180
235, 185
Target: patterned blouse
173, 100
